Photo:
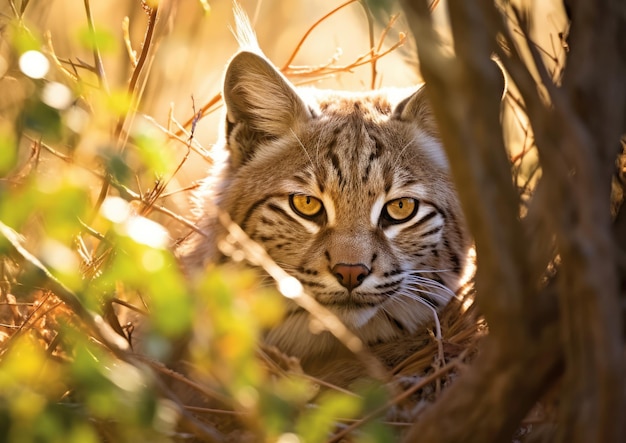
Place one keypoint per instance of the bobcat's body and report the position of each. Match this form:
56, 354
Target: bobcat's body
348, 192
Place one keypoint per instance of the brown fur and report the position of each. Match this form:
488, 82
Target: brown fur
354, 153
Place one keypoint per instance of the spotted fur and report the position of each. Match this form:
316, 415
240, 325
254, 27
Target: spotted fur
354, 153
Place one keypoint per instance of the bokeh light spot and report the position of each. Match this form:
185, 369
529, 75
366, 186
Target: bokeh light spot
34, 64
57, 95
147, 232
152, 260
290, 287
115, 209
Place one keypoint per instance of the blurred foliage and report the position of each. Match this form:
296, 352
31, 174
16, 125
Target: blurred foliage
79, 173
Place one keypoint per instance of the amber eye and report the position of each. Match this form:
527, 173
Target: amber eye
400, 209
305, 205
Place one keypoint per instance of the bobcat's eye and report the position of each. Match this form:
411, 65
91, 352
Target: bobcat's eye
400, 209
305, 205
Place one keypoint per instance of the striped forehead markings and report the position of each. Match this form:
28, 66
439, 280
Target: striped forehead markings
355, 146
378, 145
337, 167
374, 155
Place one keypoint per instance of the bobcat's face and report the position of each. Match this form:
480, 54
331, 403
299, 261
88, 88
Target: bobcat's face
348, 193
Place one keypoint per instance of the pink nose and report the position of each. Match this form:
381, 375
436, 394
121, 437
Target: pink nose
350, 276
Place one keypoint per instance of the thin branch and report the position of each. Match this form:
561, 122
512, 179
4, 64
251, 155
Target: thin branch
204, 110
360, 61
130, 196
14, 9
318, 72
100, 72
134, 91
370, 29
98, 327
132, 54
142, 63
310, 30
178, 136
129, 306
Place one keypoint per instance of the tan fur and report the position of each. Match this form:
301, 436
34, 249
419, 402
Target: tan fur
353, 152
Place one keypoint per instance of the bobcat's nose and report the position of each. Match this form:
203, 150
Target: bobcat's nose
350, 276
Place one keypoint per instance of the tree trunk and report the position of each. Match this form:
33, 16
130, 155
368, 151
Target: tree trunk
573, 324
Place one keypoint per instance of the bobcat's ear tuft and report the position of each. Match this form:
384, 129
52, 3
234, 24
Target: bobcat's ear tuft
260, 99
417, 108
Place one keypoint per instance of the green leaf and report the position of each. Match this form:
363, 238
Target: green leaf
116, 166
101, 39
118, 103
42, 119
316, 424
23, 39
153, 150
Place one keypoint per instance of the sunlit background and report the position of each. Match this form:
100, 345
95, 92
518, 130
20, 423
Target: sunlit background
190, 52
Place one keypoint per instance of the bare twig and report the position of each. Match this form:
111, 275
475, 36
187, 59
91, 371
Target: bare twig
98, 327
316, 72
310, 30
132, 54
370, 28
135, 89
204, 110
104, 84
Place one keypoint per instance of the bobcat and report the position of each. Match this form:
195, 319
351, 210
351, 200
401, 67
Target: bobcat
348, 192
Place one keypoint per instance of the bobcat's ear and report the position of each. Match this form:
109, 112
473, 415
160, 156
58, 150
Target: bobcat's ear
260, 101
417, 108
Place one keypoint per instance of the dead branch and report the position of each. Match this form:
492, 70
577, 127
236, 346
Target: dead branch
157, 26
310, 30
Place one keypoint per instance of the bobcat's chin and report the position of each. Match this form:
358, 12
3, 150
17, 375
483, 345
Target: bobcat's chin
355, 318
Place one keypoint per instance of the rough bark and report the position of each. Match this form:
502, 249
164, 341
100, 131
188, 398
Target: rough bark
576, 322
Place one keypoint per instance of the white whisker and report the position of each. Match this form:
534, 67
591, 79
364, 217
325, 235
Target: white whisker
431, 284
404, 148
421, 271
428, 305
433, 295
302, 146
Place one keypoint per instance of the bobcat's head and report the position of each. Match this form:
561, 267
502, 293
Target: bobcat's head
348, 192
